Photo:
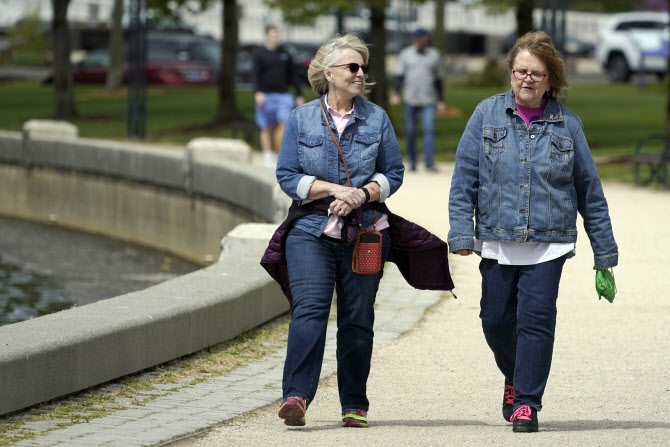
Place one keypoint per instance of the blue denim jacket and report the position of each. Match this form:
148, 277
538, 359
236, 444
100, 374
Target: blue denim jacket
527, 183
308, 152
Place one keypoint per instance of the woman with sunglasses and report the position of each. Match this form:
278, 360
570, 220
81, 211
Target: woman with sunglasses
311, 171
523, 170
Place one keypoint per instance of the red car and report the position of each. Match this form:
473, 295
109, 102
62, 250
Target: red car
161, 69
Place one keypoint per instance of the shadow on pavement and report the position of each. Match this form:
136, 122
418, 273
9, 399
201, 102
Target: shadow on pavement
607, 424
400, 423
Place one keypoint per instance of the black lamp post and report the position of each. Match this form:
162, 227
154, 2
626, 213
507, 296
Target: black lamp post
137, 59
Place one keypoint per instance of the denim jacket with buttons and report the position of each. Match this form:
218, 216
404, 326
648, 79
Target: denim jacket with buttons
308, 152
527, 183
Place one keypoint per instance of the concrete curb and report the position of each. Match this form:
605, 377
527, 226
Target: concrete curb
69, 351
182, 409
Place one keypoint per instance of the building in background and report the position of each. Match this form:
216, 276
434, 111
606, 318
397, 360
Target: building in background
403, 16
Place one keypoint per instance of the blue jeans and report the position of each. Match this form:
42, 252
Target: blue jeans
316, 266
518, 312
427, 114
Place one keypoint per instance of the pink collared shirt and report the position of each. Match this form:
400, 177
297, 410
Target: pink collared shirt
340, 120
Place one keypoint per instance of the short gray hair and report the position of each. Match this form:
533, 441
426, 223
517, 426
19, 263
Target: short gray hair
329, 53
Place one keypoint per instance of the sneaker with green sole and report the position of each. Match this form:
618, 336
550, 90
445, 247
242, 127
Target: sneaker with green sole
352, 417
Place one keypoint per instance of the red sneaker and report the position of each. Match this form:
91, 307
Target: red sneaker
292, 411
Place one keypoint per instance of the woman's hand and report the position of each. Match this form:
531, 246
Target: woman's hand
463, 252
340, 208
353, 197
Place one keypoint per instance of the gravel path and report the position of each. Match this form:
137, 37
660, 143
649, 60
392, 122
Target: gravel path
438, 385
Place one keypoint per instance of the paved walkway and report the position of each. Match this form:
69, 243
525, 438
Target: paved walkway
182, 409
437, 384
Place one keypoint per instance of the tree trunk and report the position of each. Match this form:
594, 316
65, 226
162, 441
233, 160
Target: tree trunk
115, 71
379, 94
63, 82
227, 106
524, 17
439, 34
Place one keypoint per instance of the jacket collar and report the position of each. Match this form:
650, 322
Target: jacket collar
359, 104
552, 113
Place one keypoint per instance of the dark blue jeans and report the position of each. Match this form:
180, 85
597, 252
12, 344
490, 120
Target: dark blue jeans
518, 312
316, 266
427, 115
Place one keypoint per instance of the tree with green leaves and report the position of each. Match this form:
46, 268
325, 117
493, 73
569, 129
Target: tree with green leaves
226, 112
63, 85
523, 11
301, 12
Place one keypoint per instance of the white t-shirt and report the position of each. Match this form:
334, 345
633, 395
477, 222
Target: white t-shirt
526, 253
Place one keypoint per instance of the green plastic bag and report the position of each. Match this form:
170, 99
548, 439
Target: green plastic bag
605, 285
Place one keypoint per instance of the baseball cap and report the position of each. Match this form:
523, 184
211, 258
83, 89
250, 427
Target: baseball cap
419, 32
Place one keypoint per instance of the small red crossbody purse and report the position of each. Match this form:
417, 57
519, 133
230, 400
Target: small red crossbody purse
367, 255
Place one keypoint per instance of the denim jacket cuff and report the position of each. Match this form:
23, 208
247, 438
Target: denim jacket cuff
304, 185
605, 262
462, 243
384, 187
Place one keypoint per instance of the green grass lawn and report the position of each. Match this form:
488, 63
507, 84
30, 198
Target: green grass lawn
615, 117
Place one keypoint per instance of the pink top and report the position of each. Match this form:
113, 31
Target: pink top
335, 223
340, 120
529, 114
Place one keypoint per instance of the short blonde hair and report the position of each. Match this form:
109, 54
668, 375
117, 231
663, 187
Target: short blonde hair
329, 54
539, 44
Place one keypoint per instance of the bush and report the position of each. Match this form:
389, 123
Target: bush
29, 40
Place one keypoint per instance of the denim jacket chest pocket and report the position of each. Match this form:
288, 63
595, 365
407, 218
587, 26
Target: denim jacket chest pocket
367, 146
494, 144
310, 148
561, 149
561, 161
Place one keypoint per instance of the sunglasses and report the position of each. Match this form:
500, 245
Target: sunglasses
354, 67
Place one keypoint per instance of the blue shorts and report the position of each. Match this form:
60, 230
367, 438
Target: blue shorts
275, 110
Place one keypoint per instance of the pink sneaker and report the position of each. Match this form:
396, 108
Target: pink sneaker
508, 401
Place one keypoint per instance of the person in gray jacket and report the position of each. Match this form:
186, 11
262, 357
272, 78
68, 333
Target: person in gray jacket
523, 170
419, 75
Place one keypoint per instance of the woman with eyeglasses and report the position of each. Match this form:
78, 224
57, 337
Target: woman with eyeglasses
327, 193
523, 170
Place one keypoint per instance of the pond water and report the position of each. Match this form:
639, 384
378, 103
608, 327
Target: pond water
45, 268
25, 294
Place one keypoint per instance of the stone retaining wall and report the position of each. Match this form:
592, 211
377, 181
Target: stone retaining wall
181, 200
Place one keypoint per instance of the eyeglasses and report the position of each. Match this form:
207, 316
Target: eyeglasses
353, 67
535, 77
